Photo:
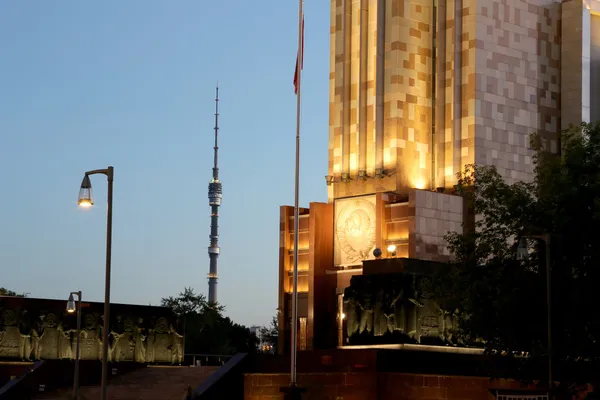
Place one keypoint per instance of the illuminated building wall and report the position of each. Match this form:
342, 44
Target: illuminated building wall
330, 253
418, 89
315, 254
381, 97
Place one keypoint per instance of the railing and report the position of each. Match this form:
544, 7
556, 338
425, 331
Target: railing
21, 387
225, 383
206, 359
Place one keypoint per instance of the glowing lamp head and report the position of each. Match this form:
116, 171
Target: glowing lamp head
343, 316
392, 250
86, 199
71, 307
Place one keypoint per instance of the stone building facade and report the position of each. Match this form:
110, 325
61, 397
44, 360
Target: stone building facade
419, 89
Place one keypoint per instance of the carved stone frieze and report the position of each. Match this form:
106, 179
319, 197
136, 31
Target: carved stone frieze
34, 329
393, 308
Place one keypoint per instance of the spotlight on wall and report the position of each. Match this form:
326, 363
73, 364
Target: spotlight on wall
379, 173
362, 175
377, 253
329, 179
345, 177
392, 250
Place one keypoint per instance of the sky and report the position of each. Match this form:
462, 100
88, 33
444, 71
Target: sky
85, 85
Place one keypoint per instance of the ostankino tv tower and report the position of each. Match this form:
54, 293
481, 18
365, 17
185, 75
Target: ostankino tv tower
215, 194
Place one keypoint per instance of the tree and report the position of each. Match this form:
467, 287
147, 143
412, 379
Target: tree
6, 292
207, 331
269, 334
500, 299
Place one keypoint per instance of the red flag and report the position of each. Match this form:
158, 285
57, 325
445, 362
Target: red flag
302, 66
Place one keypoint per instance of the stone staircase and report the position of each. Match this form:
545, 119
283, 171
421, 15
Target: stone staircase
151, 383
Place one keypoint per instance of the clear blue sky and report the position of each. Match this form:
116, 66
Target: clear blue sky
84, 85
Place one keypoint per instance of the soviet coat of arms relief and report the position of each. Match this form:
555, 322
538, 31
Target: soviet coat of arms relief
355, 230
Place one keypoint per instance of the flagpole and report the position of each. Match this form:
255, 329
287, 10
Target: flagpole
294, 347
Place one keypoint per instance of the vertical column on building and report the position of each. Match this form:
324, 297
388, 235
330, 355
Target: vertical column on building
380, 85
408, 93
440, 94
336, 88
320, 328
363, 85
450, 139
575, 63
333, 107
356, 89
457, 87
382, 89
370, 92
346, 80
354, 86
392, 76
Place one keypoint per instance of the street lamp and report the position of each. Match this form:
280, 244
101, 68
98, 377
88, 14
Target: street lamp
523, 253
392, 250
71, 308
86, 200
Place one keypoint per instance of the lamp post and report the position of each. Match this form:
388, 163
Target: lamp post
522, 254
71, 308
86, 200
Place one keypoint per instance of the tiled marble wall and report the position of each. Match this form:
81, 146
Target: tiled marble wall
400, 85
436, 214
497, 85
408, 91
517, 82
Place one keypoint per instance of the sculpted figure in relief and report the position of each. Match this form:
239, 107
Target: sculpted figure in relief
379, 319
366, 315
117, 333
150, 346
36, 336
352, 320
389, 309
176, 346
36, 344
139, 350
100, 339
25, 331
116, 346
65, 349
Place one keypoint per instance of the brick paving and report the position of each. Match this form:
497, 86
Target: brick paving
152, 383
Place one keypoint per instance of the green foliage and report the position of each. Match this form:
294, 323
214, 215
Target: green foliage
502, 300
270, 334
6, 292
207, 331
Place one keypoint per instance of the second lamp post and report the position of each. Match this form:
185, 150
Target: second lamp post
71, 308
